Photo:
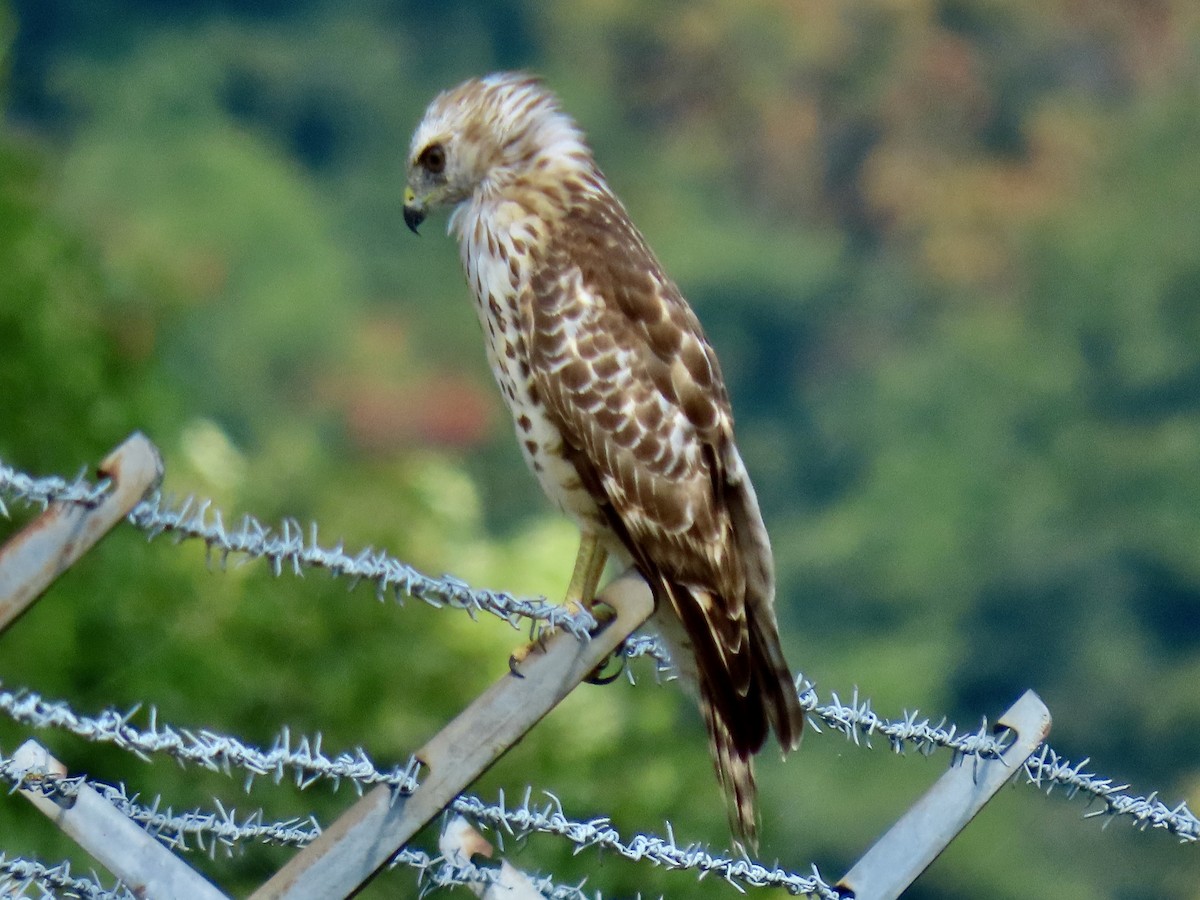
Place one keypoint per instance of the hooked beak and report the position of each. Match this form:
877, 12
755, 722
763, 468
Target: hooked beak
414, 211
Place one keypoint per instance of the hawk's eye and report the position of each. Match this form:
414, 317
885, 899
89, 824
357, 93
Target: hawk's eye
433, 158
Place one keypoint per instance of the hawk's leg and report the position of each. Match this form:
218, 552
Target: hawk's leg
589, 566
581, 592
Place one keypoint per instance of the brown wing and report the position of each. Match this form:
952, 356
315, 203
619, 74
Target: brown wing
620, 363
623, 368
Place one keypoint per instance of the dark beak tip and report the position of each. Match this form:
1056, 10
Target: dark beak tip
413, 218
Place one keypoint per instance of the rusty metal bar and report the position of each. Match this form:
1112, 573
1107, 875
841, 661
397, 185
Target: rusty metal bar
347, 855
922, 833
144, 866
49, 545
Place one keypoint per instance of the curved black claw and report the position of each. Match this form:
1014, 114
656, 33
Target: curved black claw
513, 662
597, 676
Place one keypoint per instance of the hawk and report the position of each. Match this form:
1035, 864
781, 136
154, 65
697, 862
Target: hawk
617, 399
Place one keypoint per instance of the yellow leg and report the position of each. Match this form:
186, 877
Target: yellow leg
589, 566
581, 592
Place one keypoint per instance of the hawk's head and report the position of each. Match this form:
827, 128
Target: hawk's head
483, 135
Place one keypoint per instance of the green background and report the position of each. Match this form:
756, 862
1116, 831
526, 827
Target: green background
949, 254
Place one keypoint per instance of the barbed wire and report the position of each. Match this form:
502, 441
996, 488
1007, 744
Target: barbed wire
223, 753
19, 875
599, 833
303, 758
639, 645
295, 548
43, 491
209, 829
287, 549
438, 871
1045, 768
223, 828
855, 720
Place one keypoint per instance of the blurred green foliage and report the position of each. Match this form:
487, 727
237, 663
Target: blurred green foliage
948, 253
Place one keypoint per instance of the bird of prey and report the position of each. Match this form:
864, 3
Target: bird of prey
617, 399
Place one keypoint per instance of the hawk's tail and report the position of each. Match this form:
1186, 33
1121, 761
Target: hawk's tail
743, 695
774, 680
735, 772
737, 726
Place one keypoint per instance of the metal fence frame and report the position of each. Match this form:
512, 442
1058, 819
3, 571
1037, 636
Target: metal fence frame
77, 513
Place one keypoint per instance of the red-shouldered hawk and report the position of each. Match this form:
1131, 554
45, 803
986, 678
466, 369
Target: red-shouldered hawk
617, 397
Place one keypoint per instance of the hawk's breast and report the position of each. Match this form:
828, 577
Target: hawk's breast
497, 268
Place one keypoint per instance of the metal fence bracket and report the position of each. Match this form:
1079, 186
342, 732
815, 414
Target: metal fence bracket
49, 545
356, 846
909, 846
144, 866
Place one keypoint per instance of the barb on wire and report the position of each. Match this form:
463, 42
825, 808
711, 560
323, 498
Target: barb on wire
639, 645
44, 491
18, 876
210, 829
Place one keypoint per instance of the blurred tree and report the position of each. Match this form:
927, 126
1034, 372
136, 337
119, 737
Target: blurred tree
947, 253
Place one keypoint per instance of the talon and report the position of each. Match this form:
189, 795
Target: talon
596, 676
513, 662
517, 657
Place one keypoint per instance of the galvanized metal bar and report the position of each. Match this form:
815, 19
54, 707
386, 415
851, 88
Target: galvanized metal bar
354, 848
922, 833
146, 867
45, 548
